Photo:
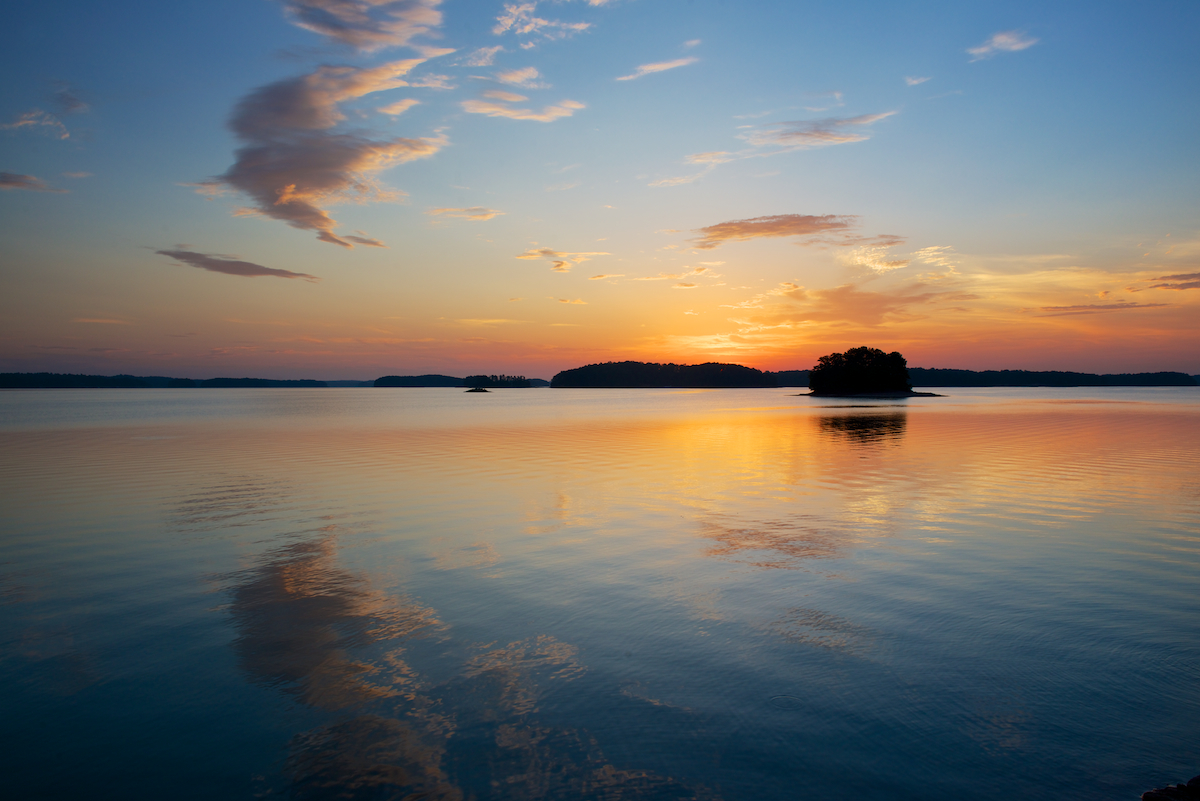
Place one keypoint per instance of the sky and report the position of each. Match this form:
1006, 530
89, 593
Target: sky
344, 189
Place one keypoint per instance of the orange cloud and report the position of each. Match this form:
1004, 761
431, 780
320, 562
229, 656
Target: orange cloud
291, 165
646, 69
525, 76
367, 25
564, 108
777, 225
473, 213
399, 107
562, 260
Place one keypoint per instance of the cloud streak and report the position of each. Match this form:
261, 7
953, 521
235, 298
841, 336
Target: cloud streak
230, 266
366, 25
778, 225
782, 137
38, 119
399, 107
1096, 308
806, 135
292, 164
661, 66
15, 180
519, 19
526, 77
564, 108
561, 260
477, 213
1003, 42
1186, 281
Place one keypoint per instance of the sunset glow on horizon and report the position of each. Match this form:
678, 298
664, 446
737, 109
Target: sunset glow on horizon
344, 189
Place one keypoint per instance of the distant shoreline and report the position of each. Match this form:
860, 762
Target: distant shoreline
919, 377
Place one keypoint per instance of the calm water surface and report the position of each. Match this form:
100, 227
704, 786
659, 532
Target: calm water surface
616, 594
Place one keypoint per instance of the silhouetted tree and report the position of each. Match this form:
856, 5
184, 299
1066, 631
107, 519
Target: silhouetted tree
858, 371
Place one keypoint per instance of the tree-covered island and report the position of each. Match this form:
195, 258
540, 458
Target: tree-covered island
861, 371
644, 375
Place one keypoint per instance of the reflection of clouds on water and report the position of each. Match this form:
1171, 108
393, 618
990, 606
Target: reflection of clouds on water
313, 629
512, 670
781, 544
823, 630
863, 429
298, 613
479, 554
367, 757
234, 502
992, 713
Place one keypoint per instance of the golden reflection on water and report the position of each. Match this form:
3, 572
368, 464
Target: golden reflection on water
299, 614
686, 511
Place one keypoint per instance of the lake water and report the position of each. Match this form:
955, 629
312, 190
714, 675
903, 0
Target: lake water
598, 594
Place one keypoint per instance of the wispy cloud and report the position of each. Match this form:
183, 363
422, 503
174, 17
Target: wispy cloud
526, 77
912, 80
1096, 308
836, 100
477, 213
778, 225
691, 43
676, 276
684, 285
602, 276
507, 97
14, 180
660, 66
483, 57
561, 261
365, 240
789, 305
874, 258
520, 19
1186, 281
432, 81
1003, 42
564, 108
68, 101
576, 302
781, 137
229, 265
292, 164
37, 119
399, 107
808, 134
366, 25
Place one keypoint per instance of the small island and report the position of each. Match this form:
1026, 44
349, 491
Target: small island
862, 372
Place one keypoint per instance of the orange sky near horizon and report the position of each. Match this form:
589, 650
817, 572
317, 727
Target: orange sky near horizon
463, 187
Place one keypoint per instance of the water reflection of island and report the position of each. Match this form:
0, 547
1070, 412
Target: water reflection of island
862, 429
322, 634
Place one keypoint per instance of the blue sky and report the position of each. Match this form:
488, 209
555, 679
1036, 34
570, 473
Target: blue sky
976, 185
